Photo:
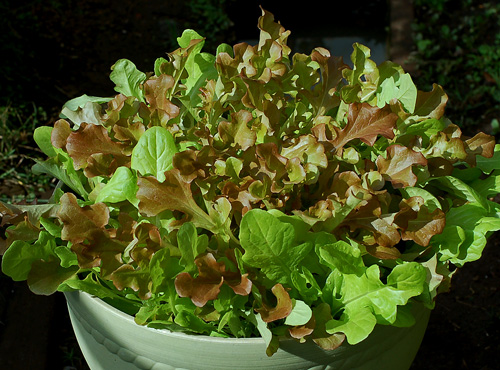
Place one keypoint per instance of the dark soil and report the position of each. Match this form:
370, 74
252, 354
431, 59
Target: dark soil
65, 49
464, 328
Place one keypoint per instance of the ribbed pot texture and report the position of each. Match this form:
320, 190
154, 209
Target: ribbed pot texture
110, 339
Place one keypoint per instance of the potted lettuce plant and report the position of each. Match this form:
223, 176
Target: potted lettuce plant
289, 204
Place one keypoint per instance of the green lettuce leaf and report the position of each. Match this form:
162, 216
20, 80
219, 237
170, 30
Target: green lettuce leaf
42, 137
190, 245
37, 263
366, 300
271, 245
121, 186
154, 152
127, 78
300, 315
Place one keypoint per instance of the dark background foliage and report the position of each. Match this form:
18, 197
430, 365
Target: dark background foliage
54, 50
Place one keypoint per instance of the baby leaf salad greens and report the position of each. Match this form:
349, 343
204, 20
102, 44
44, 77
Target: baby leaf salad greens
255, 193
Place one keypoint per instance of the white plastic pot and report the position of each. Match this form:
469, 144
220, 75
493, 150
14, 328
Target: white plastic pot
110, 339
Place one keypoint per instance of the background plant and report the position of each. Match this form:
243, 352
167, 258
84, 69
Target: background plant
18, 152
458, 46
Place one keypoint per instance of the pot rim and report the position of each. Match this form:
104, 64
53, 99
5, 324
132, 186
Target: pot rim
79, 295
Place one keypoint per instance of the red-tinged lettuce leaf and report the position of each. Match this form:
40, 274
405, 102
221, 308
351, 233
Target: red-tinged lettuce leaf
365, 122
138, 279
22, 222
211, 275
417, 223
237, 132
397, 167
281, 310
200, 291
91, 148
343, 195
378, 225
81, 223
126, 116
156, 90
93, 243
430, 104
447, 144
450, 145
22, 230
383, 253
246, 196
11, 214
227, 64
173, 194
271, 30
323, 97
259, 95
192, 164
481, 144
302, 331
101, 251
211, 104
146, 241
271, 164
120, 108
308, 150
180, 58
60, 134
322, 314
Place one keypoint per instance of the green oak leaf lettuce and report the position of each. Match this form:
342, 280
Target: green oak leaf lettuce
366, 300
